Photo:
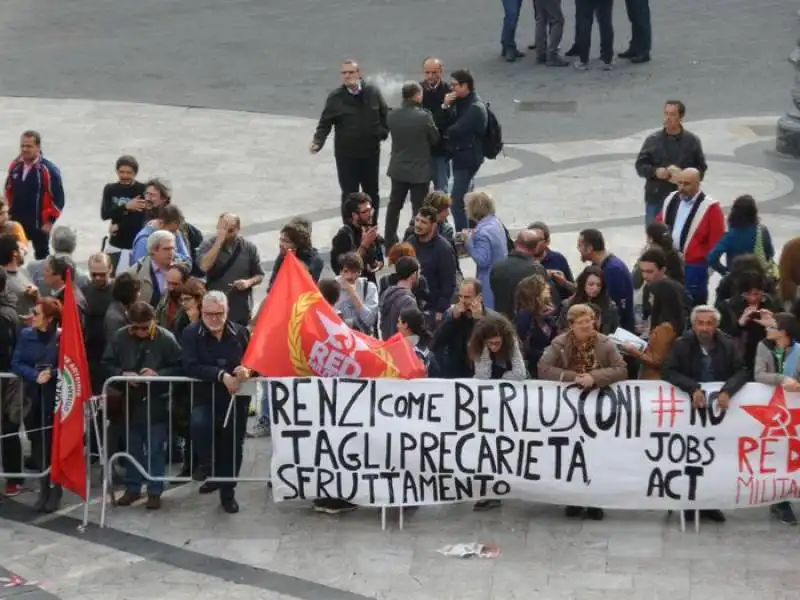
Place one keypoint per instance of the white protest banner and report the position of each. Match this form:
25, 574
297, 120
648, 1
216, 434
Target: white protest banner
635, 445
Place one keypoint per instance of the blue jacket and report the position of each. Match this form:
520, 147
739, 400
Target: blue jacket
139, 250
735, 242
465, 126
35, 351
487, 245
206, 358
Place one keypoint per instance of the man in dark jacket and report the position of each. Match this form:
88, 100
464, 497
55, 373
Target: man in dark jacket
400, 296
665, 153
449, 346
98, 299
357, 111
358, 234
124, 205
438, 265
518, 265
413, 134
213, 349
434, 89
34, 192
145, 349
703, 355
466, 119
11, 401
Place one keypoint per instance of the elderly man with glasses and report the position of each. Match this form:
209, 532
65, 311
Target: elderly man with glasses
213, 349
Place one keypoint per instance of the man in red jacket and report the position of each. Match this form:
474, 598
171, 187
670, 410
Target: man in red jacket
697, 223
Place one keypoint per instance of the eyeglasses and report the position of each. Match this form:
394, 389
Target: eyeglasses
140, 326
214, 315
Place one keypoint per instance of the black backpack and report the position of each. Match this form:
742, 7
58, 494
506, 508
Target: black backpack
493, 138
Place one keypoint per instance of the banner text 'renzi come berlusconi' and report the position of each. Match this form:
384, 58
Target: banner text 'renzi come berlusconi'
635, 445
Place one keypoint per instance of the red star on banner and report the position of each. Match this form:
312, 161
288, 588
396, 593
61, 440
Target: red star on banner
778, 419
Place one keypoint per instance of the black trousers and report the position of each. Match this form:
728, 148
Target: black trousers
397, 198
587, 11
229, 446
40, 241
357, 174
11, 449
641, 31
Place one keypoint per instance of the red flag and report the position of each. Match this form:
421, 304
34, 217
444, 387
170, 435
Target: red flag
299, 334
68, 459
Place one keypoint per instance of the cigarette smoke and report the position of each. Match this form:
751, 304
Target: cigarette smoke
390, 85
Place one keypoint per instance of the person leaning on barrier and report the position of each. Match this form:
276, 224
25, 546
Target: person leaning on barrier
702, 355
778, 364
35, 361
213, 350
586, 358
12, 409
144, 349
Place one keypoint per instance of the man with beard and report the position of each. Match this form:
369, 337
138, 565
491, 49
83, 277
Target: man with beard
556, 264
125, 206
434, 89
19, 286
169, 306
705, 355
358, 234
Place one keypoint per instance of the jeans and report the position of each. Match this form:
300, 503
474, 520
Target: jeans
358, 174
397, 199
587, 11
641, 31
697, 283
440, 167
202, 432
651, 212
462, 183
511, 8
549, 26
150, 453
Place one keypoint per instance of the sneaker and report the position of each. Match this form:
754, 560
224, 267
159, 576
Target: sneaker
580, 66
783, 511
332, 506
484, 505
153, 502
608, 65
261, 429
595, 514
128, 498
13, 489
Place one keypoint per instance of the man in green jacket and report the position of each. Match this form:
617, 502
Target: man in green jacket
147, 350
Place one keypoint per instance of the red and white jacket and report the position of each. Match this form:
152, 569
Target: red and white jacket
704, 227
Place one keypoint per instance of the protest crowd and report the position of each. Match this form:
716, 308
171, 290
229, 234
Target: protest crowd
163, 299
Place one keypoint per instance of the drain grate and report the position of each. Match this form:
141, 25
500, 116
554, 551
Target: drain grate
569, 106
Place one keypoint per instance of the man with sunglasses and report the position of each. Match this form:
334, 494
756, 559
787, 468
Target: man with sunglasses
98, 298
144, 349
357, 112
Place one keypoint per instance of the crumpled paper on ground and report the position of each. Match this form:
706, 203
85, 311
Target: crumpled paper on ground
470, 550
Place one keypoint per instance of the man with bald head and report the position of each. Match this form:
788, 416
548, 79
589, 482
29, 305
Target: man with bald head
232, 266
434, 89
519, 264
697, 224
98, 298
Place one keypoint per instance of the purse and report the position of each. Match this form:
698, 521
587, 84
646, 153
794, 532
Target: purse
761, 255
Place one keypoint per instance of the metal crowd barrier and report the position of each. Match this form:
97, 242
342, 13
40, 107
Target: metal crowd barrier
131, 413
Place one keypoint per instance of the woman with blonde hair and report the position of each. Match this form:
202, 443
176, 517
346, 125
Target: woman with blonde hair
487, 243
789, 273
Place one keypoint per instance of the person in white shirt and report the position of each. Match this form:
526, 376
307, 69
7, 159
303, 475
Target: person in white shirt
358, 301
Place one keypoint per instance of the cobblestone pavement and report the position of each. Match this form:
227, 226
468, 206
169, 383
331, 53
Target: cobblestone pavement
220, 98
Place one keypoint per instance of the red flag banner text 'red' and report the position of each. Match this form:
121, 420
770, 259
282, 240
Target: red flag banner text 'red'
68, 458
299, 334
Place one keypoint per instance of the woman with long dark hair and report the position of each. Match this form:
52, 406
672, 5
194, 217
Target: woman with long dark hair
745, 235
742, 266
659, 236
535, 319
590, 288
494, 349
667, 322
